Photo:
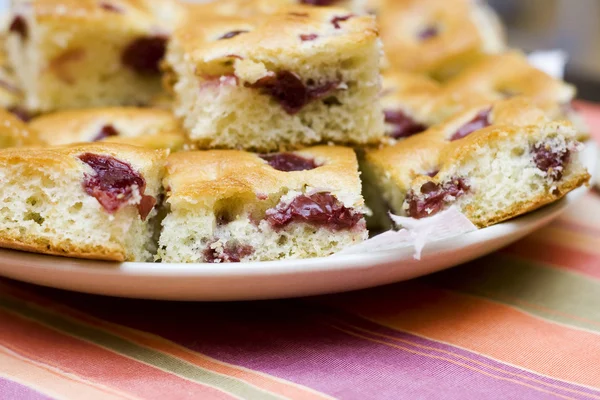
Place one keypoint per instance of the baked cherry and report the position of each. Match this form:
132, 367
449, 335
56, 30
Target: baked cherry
231, 34
20, 113
319, 2
480, 121
19, 26
404, 126
288, 90
433, 196
110, 7
550, 160
112, 183
289, 162
319, 209
308, 37
232, 252
143, 55
106, 131
429, 32
336, 20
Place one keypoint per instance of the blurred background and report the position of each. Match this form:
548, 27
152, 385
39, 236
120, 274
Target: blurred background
571, 25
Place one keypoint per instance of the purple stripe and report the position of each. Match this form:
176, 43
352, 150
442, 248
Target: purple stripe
13, 390
378, 332
289, 340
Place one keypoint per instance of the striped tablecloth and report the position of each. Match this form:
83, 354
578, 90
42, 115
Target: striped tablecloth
520, 323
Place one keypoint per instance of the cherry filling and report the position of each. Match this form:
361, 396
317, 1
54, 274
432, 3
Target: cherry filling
106, 131
428, 33
480, 121
112, 184
19, 26
110, 7
289, 162
404, 126
550, 160
319, 209
231, 34
20, 113
308, 37
319, 2
433, 197
288, 89
143, 55
336, 20
232, 252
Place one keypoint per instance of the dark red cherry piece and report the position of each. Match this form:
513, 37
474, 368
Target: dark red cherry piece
319, 209
144, 54
289, 162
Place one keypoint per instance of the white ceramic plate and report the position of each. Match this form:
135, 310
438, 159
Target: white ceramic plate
276, 279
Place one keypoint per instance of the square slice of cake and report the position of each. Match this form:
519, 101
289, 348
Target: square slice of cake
231, 205
147, 127
299, 76
88, 201
493, 163
87, 53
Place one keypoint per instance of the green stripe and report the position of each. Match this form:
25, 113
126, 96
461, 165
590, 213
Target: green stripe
143, 354
551, 293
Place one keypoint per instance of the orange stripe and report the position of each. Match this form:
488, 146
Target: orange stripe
446, 359
263, 381
52, 382
73, 356
482, 326
557, 255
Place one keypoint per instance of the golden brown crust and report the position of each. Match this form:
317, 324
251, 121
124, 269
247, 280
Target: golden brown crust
502, 76
493, 78
266, 36
437, 36
194, 177
15, 133
90, 11
147, 127
61, 154
60, 248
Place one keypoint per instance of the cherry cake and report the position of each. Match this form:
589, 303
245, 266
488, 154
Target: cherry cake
235, 206
298, 76
493, 162
96, 200
88, 53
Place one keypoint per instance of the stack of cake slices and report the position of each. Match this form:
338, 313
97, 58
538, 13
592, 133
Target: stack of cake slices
250, 130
